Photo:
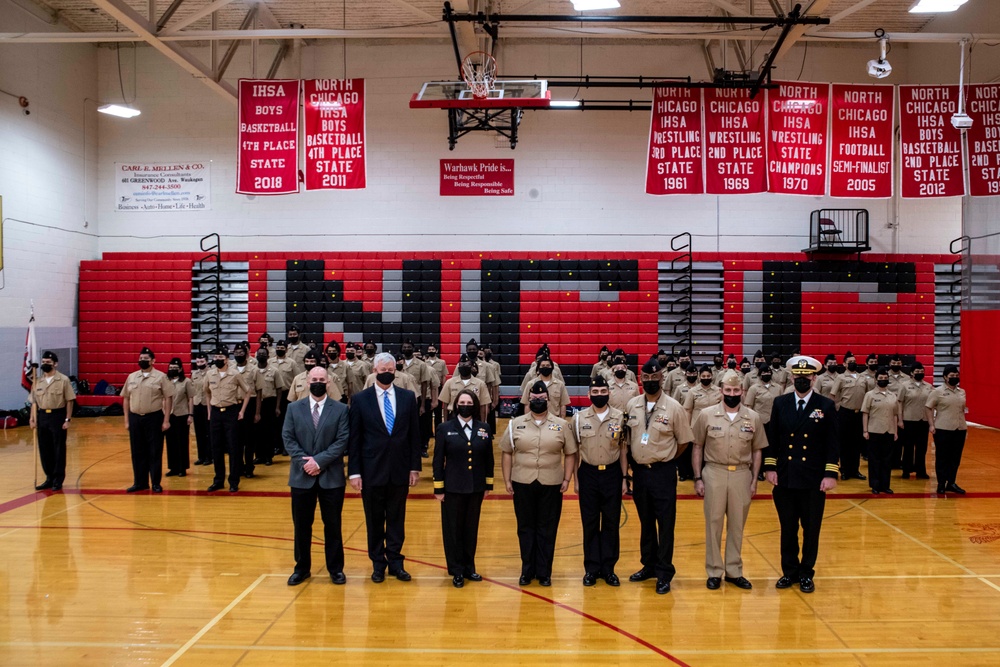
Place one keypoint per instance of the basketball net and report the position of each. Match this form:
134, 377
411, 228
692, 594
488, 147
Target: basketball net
479, 71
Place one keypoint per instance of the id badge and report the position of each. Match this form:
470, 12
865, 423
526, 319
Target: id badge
645, 439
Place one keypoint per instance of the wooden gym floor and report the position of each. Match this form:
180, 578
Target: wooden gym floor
92, 576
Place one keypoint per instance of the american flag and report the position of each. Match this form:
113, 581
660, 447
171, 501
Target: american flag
30, 354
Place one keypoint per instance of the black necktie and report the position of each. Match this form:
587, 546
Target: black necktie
802, 405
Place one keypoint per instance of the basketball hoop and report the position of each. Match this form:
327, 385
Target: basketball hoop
479, 70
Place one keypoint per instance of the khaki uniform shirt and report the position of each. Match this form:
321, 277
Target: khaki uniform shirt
438, 365
300, 388
198, 380
497, 370
537, 449
681, 392
897, 382
252, 376
357, 372
52, 395
453, 386
284, 372
267, 378
850, 391
487, 373
145, 391
621, 394
339, 374
750, 379
883, 409
183, 391
558, 396
700, 398
532, 375
402, 380
225, 391
824, 384
914, 397
666, 429
598, 369
417, 370
673, 379
599, 442
729, 442
949, 406
717, 373
296, 354
760, 399
781, 377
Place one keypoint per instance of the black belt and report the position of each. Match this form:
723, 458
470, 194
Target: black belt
599, 468
53, 410
146, 414
654, 464
222, 408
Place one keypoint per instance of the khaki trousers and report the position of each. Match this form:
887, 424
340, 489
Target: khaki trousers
727, 499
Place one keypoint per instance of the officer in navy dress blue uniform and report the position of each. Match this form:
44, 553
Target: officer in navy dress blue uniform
463, 475
801, 461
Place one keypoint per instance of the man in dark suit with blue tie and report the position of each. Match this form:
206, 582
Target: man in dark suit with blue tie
315, 436
383, 462
801, 461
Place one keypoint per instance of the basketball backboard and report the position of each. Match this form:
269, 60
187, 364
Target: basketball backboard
506, 94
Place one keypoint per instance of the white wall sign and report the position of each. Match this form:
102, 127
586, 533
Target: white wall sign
161, 186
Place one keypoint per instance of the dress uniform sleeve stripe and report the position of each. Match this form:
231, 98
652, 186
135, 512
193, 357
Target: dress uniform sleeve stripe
489, 480
770, 461
438, 485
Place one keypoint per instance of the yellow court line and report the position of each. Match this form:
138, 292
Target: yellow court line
934, 551
49, 516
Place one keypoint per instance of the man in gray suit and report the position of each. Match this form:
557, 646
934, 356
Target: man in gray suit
315, 437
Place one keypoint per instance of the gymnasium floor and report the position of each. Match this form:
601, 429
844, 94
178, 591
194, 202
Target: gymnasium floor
92, 576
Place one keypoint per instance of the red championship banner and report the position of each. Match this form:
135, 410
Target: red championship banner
861, 149
477, 178
983, 105
674, 164
335, 133
268, 151
797, 137
734, 142
931, 148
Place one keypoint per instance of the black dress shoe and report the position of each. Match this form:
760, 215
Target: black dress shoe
589, 579
475, 576
135, 488
214, 487
784, 582
249, 475
267, 463
525, 580
713, 583
297, 578
402, 575
876, 492
955, 488
806, 585
641, 575
182, 474
844, 478
44, 485
378, 577
209, 462
338, 578
258, 462
458, 581
905, 475
682, 478
923, 476
426, 455
157, 488
940, 490
58, 487
740, 582
170, 473
545, 581
662, 586
612, 580
859, 476
889, 491
233, 488
199, 462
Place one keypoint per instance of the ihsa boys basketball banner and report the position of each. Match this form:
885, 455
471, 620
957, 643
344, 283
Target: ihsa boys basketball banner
335, 133
268, 162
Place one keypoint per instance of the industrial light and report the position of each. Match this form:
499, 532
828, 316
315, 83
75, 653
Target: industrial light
590, 5
879, 69
119, 110
565, 104
932, 6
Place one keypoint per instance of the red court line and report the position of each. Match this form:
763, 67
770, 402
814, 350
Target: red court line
22, 501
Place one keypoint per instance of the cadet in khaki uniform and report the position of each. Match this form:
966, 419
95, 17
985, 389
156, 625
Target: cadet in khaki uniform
492, 380
825, 380
178, 435
267, 379
52, 398
761, 395
200, 412
223, 387
600, 482
602, 363
558, 394
676, 377
357, 370
690, 382
539, 457
779, 375
659, 431
337, 368
704, 396
728, 441
946, 408
464, 381
424, 379
897, 378
438, 365
913, 396
532, 374
882, 415
296, 348
621, 388
620, 359
848, 393
284, 373
148, 402
300, 383
248, 433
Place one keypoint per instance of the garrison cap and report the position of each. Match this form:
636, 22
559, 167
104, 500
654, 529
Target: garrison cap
599, 381
148, 351
539, 388
49, 354
731, 379
176, 361
651, 367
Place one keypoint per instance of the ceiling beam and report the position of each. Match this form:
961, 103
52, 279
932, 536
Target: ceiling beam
797, 31
408, 7
142, 27
729, 7
841, 15
194, 17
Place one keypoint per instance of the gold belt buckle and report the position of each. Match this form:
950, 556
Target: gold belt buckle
601, 467
222, 409
731, 468
48, 412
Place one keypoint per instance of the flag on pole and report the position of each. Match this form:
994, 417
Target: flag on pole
30, 354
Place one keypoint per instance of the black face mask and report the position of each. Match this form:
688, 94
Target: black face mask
173, 372
802, 384
399, 366
775, 365
220, 363
692, 379
370, 353
685, 364
280, 353
662, 362
262, 360
599, 401
241, 359
432, 353
545, 372
620, 374
408, 352
732, 401
293, 340
852, 366
651, 387
717, 363
386, 378
744, 369
765, 378
896, 369
144, 364
604, 356
706, 381
317, 389
918, 376
309, 367
882, 383
351, 354
831, 368
873, 367
465, 371
953, 381
464, 411
202, 364
332, 355
539, 406
841, 369
731, 364
47, 368
263, 343
488, 356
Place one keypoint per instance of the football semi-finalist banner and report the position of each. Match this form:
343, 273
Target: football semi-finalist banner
335, 134
674, 163
797, 137
861, 146
735, 162
930, 147
268, 151
983, 106
163, 186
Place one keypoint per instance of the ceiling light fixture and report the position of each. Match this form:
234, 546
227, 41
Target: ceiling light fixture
119, 110
591, 5
934, 6
565, 104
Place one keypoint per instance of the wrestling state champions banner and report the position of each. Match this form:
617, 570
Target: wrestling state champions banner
334, 112
797, 137
268, 148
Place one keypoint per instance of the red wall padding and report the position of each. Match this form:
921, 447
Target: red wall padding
979, 344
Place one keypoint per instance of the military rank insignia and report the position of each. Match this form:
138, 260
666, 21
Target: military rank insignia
483, 434
555, 427
816, 414
662, 419
747, 427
